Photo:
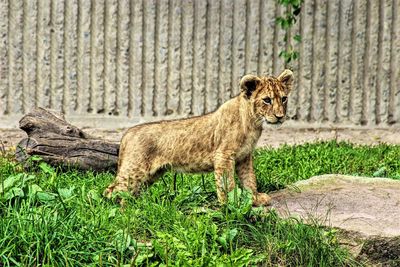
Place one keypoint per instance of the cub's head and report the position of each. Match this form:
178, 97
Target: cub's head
268, 95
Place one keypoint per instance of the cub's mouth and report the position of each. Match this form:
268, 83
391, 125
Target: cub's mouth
274, 120
274, 123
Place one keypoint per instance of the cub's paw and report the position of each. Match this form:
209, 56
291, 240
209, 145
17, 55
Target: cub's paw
261, 199
108, 192
117, 194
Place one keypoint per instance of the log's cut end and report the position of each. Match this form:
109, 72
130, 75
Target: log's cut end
41, 120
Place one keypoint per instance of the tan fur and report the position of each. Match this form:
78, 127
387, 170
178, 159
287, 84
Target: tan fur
221, 141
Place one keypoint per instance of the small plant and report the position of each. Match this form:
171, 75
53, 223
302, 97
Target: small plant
289, 18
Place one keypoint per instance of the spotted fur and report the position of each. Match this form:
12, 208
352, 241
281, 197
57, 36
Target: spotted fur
221, 141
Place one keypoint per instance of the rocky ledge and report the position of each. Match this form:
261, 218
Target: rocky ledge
366, 211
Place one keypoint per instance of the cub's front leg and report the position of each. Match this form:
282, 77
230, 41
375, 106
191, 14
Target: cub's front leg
224, 174
245, 171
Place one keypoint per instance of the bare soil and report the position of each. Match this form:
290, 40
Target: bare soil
270, 137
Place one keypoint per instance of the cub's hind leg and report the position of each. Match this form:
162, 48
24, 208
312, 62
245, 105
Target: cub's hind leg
132, 177
127, 180
132, 167
132, 183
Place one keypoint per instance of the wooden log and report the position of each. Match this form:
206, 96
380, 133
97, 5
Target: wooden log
42, 120
59, 143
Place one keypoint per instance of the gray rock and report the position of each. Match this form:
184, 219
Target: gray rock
365, 210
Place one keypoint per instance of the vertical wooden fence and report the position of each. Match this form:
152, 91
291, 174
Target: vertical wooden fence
166, 58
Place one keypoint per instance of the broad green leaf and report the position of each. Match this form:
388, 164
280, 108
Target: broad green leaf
46, 168
143, 256
222, 240
10, 182
380, 172
45, 196
231, 234
33, 189
122, 240
112, 212
297, 38
66, 192
93, 194
14, 192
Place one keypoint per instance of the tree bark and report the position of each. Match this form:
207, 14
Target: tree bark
59, 143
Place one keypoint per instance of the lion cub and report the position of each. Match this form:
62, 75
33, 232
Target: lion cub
221, 141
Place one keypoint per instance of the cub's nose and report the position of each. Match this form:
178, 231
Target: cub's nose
279, 117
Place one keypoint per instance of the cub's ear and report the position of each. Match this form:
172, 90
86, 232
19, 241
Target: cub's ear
286, 77
248, 84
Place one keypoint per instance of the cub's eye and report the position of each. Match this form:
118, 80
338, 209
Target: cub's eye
267, 100
284, 99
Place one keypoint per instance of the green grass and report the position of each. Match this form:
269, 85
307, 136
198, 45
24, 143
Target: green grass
50, 217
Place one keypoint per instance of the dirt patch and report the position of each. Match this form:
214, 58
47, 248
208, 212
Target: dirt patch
269, 137
292, 136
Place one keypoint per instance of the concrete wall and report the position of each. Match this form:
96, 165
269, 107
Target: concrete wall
113, 63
